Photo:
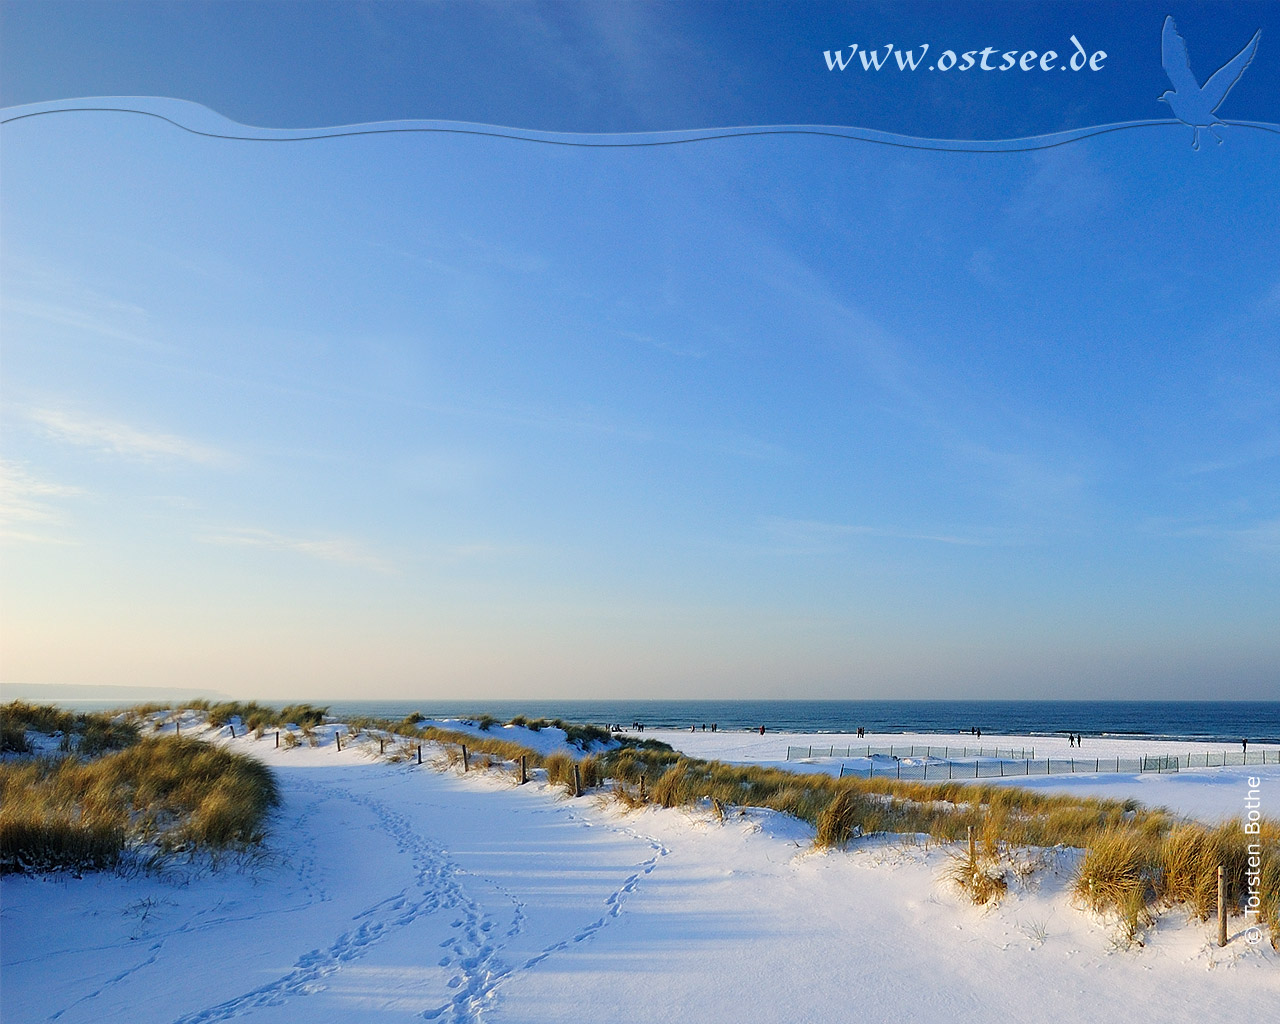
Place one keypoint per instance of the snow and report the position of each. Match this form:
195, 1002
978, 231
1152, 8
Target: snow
549, 739
1209, 794
404, 893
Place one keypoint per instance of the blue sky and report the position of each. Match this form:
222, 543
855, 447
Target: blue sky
448, 416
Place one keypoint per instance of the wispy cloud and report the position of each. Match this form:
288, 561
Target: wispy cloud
107, 321
1262, 536
671, 348
811, 535
37, 292
1063, 186
340, 550
1264, 451
964, 425
1269, 302
28, 505
123, 440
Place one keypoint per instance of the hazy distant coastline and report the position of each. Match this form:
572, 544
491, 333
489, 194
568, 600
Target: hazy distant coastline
41, 692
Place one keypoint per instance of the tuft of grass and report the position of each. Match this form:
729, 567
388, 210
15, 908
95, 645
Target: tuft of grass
1118, 875
35, 843
589, 770
87, 733
13, 740
302, 715
178, 794
1136, 859
559, 769
840, 821
582, 736
980, 872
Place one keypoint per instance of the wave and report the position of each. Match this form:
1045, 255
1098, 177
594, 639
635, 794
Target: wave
198, 119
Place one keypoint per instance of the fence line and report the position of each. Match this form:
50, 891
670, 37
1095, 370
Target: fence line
940, 770
801, 753
1224, 759
1008, 763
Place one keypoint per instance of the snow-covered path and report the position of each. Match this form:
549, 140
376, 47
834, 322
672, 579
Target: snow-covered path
399, 893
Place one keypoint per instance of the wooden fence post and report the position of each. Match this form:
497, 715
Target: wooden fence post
577, 780
466, 766
382, 744
973, 850
233, 731
338, 736
524, 769
277, 739
642, 785
177, 727
1222, 906
419, 753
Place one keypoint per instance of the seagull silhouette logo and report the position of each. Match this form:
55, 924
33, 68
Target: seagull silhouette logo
1192, 103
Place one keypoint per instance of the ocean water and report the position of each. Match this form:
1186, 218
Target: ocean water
1226, 721
1206, 721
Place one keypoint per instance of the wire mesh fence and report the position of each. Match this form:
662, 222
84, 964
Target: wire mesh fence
822, 750
938, 763
937, 770
1225, 759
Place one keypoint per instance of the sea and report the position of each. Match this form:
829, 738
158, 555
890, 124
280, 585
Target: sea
1205, 721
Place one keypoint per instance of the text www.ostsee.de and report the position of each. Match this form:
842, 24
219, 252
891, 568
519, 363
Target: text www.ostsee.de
989, 58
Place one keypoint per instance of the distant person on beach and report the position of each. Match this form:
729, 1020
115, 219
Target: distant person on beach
762, 730
1244, 746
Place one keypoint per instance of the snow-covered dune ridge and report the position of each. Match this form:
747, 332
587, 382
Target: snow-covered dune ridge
408, 893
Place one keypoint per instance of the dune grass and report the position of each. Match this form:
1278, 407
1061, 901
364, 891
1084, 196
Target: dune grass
1134, 875
175, 794
1136, 861
87, 733
251, 714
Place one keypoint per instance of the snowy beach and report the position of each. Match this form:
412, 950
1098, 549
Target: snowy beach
1205, 793
403, 893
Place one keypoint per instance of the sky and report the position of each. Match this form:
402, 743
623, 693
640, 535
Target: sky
428, 415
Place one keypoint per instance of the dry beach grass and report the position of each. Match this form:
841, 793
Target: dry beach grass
1136, 861
169, 794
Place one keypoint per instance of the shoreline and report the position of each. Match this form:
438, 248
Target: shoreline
1044, 746
409, 892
